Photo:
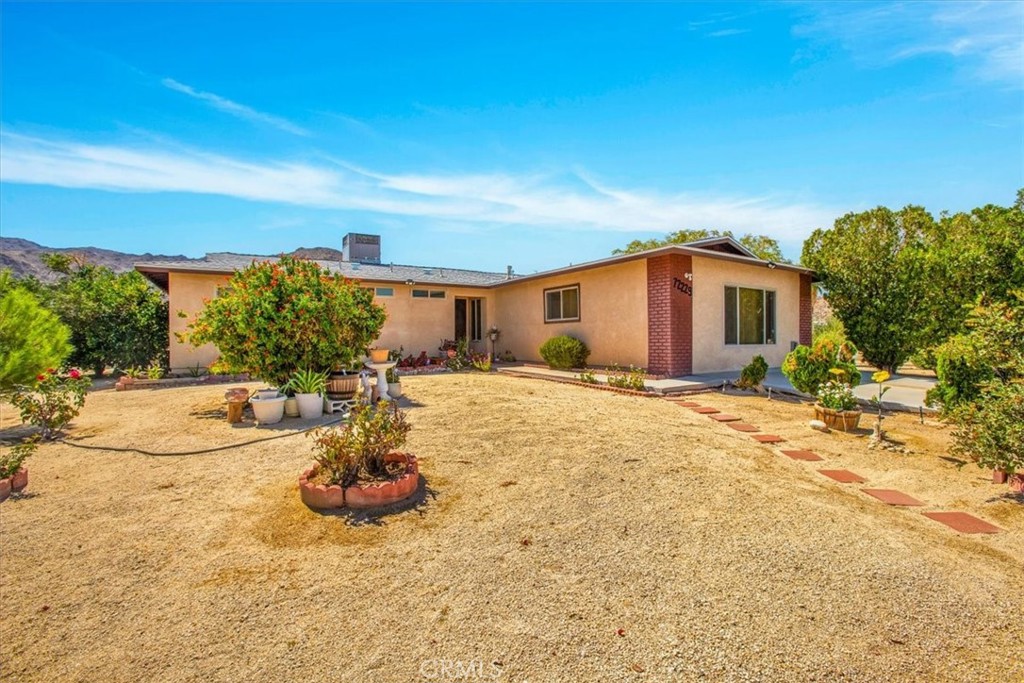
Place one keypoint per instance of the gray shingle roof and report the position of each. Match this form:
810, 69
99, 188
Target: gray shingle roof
225, 262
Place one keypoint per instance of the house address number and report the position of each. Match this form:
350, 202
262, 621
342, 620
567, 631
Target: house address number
684, 287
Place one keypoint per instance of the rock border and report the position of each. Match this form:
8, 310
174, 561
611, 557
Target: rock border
321, 497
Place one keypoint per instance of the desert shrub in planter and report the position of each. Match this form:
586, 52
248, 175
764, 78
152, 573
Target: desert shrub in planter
808, 367
752, 375
564, 352
358, 450
52, 401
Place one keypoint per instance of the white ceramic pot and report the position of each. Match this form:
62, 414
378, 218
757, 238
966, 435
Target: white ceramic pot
268, 410
310, 405
395, 390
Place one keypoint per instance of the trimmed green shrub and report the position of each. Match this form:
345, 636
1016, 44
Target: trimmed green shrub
961, 370
807, 368
753, 374
564, 352
990, 430
275, 318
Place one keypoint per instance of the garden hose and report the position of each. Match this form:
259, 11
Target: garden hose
215, 449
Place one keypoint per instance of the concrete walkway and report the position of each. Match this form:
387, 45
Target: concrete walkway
905, 393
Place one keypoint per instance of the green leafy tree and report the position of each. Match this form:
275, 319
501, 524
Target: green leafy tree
117, 320
275, 318
32, 339
872, 266
762, 246
969, 255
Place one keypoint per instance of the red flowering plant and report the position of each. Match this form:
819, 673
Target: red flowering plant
52, 401
276, 317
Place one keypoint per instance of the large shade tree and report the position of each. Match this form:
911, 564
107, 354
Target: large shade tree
116, 319
872, 266
762, 246
276, 317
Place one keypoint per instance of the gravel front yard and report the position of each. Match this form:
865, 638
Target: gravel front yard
563, 534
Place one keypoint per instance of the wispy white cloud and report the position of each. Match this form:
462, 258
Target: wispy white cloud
728, 32
986, 38
568, 200
234, 108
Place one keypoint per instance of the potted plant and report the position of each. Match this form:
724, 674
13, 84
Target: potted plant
13, 473
291, 404
309, 387
394, 383
379, 355
837, 406
358, 464
268, 406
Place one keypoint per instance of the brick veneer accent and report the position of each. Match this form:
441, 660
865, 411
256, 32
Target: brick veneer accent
806, 307
669, 316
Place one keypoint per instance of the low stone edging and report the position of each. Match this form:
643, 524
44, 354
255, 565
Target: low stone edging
321, 497
126, 383
574, 382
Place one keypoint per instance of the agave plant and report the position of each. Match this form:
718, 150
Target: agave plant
307, 382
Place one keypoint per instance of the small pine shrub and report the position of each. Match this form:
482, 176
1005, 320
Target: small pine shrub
564, 352
753, 374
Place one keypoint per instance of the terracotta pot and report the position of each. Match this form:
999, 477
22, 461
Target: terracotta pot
998, 477
379, 355
1017, 482
19, 480
318, 496
5, 489
375, 495
452, 353
291, 407
843, 420
236, 395
310, 405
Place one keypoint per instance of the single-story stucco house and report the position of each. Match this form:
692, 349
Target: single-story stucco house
702, 306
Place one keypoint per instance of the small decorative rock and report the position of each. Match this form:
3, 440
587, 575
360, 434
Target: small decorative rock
818, 425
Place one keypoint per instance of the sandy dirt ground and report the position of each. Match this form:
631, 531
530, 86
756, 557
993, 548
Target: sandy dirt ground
560, 534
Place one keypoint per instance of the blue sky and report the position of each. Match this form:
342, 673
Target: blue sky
483, 135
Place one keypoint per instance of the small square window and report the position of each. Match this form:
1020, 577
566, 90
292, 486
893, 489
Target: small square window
749, 316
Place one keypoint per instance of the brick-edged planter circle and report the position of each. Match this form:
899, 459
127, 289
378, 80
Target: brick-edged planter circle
19, 480
357, 496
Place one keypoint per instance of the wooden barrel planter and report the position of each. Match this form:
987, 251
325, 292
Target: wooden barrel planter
843, 420
341, 387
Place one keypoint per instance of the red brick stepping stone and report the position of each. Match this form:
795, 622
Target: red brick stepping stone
843, 476
722, 417
963, 522
705, 410
768, 438
809, 456
892, 497
742, 427
686, 404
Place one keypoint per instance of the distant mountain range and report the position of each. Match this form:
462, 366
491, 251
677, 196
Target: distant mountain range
23, 257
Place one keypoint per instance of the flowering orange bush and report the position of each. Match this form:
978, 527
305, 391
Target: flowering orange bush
276, 317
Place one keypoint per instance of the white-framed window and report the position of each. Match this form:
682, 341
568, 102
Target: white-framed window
749, 316
562, 304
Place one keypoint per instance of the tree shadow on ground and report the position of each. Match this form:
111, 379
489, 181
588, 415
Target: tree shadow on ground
1008, 497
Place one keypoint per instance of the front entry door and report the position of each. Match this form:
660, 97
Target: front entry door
461, 306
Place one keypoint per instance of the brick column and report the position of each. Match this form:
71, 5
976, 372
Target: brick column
806, 308
669, 315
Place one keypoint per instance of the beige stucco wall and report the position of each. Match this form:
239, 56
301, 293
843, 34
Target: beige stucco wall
710, 277
415, 324
613, 314
420, 324
187, 292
